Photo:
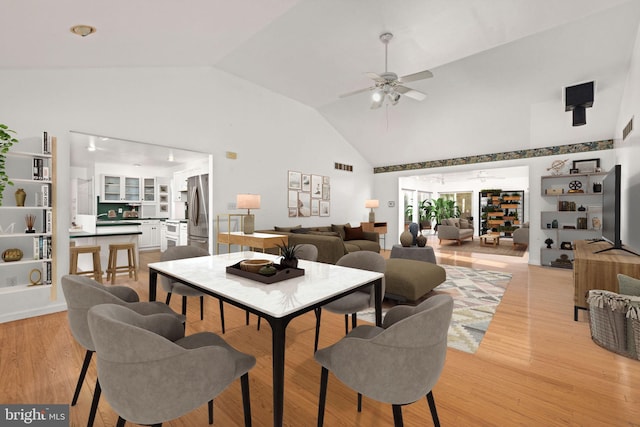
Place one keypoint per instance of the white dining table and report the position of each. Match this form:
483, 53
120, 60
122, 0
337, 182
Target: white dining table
278, 302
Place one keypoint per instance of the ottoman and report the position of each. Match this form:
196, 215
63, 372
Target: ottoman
409, 280
418, 253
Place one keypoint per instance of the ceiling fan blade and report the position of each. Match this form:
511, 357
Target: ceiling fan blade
344, 95
411, 93
376, 77
426, 74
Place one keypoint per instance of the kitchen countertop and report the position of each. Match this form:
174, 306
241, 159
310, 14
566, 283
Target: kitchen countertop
117, 223
80, 234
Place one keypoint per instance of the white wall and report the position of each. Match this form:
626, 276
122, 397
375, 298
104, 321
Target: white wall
199, 109
628, 153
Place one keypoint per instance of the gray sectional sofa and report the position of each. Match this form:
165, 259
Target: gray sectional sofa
333, 241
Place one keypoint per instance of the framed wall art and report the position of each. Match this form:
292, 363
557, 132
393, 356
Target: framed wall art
324, 208
306, 183
587, 166
295, 180
307, 194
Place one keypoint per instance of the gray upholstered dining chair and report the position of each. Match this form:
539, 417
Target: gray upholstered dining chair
172, 287
355, 301
397, 363
151, 373
81, 293
305, 251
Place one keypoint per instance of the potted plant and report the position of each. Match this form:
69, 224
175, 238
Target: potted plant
440, 209
6, 142
288, 254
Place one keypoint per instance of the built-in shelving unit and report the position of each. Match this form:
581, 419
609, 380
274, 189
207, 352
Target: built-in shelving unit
501, 211
573, 211
31, 170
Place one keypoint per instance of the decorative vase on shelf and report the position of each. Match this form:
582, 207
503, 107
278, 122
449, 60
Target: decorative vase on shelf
20, 197
30, 221
406, 239
421, 240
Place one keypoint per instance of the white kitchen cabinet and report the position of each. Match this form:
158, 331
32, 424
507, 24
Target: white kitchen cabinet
163, 236
148, 190
119, 189
150, 238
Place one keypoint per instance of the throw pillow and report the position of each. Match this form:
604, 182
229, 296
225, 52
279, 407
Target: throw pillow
454, 221
286, 229
464, 223
628, 285
300, 230
353, 233
339, 228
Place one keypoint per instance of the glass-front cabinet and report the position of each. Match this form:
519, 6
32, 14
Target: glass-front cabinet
149, 188
118, 189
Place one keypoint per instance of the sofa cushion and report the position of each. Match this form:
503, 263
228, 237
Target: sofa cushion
362, 245
464, 223
353, 233
300, 230
324, 233
286, 229
454, 221
627, 285
339, 228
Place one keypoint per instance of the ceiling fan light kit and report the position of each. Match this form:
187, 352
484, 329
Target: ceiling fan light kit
388, 85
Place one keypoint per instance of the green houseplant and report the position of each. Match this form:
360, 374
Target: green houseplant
439, 209
6, 142
288, 254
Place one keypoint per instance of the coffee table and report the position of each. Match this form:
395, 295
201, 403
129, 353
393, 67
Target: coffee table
490, 239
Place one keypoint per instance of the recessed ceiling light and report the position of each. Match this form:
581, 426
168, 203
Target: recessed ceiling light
83, 30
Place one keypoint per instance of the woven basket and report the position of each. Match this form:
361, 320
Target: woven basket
635, 325
609, 328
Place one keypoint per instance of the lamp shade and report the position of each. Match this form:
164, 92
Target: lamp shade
248, 201
371, 203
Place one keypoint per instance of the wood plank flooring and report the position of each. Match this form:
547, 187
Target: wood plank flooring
535, 366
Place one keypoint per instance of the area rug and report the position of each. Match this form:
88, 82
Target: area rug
506, 247
476, 295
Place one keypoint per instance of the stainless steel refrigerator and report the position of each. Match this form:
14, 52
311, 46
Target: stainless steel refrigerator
197, 209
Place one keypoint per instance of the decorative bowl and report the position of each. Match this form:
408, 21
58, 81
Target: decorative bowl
254, 265
12, 255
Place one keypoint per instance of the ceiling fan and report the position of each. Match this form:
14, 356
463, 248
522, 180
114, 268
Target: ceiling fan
388, 85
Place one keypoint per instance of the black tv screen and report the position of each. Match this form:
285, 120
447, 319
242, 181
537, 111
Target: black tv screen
611, 207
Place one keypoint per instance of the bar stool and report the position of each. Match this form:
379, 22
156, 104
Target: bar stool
113, 267
74, 251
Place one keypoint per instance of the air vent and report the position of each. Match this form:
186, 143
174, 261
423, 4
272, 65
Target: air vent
627, 129
343, 167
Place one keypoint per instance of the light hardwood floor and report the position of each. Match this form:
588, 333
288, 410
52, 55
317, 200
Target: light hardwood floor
535, 366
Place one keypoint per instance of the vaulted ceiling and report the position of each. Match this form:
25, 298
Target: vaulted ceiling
499, 66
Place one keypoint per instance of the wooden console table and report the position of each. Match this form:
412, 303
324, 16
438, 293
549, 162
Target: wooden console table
599, 271
256, 240
378, 227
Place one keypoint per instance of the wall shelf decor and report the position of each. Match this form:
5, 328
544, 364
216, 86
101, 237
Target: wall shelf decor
29, 228
573, 212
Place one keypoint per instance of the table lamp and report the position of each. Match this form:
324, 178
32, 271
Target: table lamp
371, 204
248, 202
